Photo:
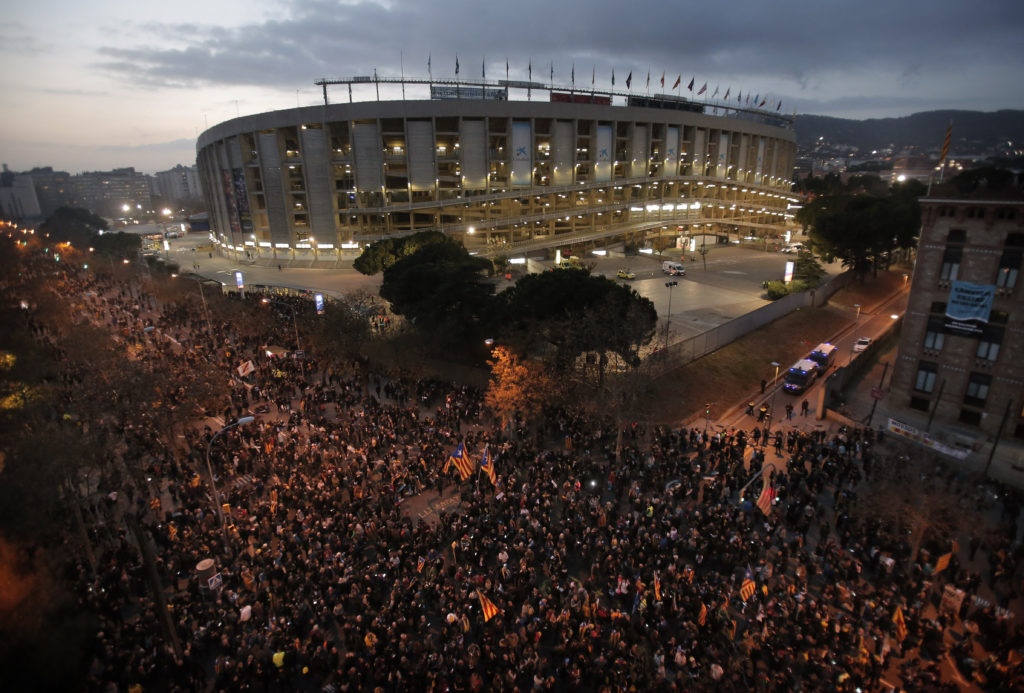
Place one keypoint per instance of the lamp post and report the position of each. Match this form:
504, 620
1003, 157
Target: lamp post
213, 484
295, 321
776, 376
668, 318
857, 306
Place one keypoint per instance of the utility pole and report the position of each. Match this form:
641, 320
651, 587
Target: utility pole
874, 404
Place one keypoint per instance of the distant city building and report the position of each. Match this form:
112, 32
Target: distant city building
961, 354
53, 189
913, 167
18, 201
178, 185
498, 174
118, 193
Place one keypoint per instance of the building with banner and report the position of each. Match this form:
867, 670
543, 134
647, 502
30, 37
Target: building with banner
960, 370
499, 165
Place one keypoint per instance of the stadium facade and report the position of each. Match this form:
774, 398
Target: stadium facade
505, 176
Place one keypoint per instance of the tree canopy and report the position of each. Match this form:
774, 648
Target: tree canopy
575, 312
440, 285
383, 254
861, 230
72, 225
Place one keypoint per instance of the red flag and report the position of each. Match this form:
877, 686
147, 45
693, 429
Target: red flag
488, 607
663, 79
727, 94
763, 102
702, 617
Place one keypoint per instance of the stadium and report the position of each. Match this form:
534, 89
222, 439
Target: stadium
507, 175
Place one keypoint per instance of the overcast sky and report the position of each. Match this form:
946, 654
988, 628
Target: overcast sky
98, 84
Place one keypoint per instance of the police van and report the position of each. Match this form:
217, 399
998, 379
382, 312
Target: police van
800, 376
823, 355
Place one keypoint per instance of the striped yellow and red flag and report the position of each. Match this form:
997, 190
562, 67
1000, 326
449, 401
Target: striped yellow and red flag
901, 625
657, 587
945, 144
764, 501
487, 465
702, 617
488, 607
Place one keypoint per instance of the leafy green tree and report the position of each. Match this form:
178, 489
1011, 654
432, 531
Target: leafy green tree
439, 287
574, 313
116, 246
383, 254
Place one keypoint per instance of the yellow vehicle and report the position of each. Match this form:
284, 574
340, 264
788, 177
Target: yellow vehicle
626, 273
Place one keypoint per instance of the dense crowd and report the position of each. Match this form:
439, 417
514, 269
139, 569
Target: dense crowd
617, 559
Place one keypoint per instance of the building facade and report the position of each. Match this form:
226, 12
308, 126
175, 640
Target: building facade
178, 185
503, 176
960, 370
118, 193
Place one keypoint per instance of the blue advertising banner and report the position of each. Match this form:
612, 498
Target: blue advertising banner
969, 301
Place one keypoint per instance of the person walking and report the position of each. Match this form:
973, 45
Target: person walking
804, 406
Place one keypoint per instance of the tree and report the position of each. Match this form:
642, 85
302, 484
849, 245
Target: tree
439, 288
516, 386
576, 313
72, 225
383, 254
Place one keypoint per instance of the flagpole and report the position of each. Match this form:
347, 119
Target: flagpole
401, 62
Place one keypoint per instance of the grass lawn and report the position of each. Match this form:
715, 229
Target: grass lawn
732, 373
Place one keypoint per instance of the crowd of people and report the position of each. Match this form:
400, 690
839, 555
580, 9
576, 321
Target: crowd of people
617, 558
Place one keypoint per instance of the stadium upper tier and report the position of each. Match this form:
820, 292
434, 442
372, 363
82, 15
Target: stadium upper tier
502, 175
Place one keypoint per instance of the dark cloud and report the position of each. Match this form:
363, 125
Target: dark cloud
801, 48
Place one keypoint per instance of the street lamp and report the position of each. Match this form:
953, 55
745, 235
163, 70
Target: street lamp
295, 321
668, 318
213, 484
776, 376
857, 306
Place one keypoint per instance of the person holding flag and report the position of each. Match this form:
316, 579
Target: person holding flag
487, 607
748, 587
487, 466
462, 463
764, 501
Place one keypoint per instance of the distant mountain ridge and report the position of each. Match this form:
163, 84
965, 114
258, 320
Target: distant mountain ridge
972, 130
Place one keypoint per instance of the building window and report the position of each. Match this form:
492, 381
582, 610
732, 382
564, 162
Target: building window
925, 381
988, 345
956, 236
920, 403
1015, 240
951, 264
934, 338
977, 389
939, 307
1009, 267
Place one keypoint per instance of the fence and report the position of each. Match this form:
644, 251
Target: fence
688, 350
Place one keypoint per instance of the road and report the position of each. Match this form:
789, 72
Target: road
728, 287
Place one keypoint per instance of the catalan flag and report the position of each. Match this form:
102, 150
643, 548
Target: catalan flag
942, 563
487, 465
420, 563
678, 80
702, 617
747, 587
901, 625
657, 587
488, 607
461, 462
945, 144
764, 501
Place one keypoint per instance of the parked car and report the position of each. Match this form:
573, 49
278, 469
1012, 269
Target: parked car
793, 248
626, 273
862, 344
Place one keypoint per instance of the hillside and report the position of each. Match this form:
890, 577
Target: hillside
972, 130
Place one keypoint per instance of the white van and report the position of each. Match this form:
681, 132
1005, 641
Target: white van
676, 269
